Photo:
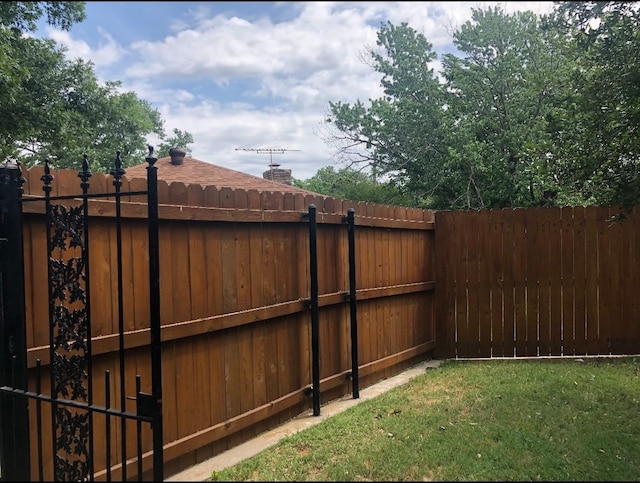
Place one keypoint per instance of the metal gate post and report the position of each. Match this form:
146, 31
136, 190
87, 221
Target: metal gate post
154, 302
353, 304
315, 329
14, 419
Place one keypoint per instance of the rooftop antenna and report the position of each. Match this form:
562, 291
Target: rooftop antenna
270, 151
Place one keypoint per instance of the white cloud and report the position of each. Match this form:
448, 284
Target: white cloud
221, 49
107, 53
257, 82
222, 131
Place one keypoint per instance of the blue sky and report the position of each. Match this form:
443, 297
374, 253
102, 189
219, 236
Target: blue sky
251, 75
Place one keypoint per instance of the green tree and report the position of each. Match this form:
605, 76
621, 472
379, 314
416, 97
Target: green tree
352, 184
61, 112
481, 138
604, 145
30, 77
180, 139
504, 96
101, 120
531, 111
400, 134
56, 109
23, 16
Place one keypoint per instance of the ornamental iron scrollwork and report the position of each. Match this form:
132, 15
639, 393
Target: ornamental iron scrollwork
69, 332
73, 453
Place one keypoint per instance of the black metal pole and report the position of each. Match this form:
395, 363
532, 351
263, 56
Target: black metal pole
14, 419
85, 174
117, 174
353, 303
154, 303
46, 179
315, 329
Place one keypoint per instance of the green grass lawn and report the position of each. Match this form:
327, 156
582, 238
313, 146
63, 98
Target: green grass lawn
498, 420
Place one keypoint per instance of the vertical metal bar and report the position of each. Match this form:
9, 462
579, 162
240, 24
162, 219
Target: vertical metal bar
154, 310
14, 414
315, 329
39, 418
139, 432
353, 303
47, 178
117, 174
107, 404
84, 176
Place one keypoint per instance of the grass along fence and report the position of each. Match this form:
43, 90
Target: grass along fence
570, 419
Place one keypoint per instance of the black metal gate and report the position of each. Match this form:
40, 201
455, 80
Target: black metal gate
68, 453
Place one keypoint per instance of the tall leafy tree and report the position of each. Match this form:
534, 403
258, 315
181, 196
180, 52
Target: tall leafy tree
98, 120
352, 184
504, 93
56, 109
604, 144
401, 133
29, 71
531, 110
479, 139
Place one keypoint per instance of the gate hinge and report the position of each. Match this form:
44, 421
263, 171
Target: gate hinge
145, 405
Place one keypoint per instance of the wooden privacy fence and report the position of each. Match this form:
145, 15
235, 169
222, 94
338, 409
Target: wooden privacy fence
234, 291
537, 282
235, 299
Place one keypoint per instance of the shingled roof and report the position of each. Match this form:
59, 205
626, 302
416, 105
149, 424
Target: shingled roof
194, 171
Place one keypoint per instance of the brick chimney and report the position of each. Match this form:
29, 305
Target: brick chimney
276, 174
177, 155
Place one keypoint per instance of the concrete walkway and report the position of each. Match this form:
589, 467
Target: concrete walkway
202, 471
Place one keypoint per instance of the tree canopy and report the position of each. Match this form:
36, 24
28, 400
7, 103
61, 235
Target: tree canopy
23, 16
56, 109
350, 184
604, 141
179, 139
532, 111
